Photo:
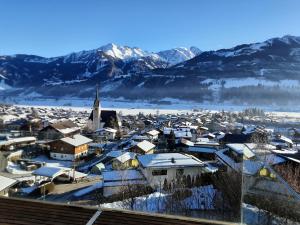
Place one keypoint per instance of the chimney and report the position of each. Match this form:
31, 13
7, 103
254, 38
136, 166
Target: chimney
172, 160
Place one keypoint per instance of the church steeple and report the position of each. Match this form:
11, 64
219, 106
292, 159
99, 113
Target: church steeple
97, 100
96, 111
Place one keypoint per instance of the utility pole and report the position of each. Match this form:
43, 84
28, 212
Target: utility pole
74, 166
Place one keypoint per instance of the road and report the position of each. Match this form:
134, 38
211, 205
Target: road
65, 192
86, 167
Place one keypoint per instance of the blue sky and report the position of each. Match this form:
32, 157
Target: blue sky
57, 27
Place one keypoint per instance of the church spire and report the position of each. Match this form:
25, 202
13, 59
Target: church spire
97, 100
97, 91
96, 111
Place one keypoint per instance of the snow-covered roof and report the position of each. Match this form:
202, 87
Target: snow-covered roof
200, 149
169, 160
140, 137
114, 154
187, 142
18, 140
153, 132
107, 129
209, 135
126, 156
69, 130
249, 167
203, 128
122, 175
145, 145
283, 138
179, 132
76, 140
241, 149
206, 141
6, 182
227, 160
51, 172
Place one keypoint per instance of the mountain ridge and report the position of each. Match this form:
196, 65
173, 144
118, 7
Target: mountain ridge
129, 72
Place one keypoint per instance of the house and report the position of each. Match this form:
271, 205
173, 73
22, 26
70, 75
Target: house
235, 138
203, 149
107, 133
153, 134
144, 147
183, 145
96, 148
247, 158
69, 148
114, 182
5, 184
58, 173
12, 143
180, 133
125, 161
60, 129
98, 168
209, 136
167, 167
281, 141
139, 138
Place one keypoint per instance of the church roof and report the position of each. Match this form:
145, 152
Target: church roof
106, 116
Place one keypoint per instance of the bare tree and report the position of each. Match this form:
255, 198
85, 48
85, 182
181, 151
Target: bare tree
228, 199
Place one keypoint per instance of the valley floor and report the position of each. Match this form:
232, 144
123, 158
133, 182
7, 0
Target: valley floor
167, 105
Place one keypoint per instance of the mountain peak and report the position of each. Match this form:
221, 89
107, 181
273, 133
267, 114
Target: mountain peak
286, 39
178, 55
122, 52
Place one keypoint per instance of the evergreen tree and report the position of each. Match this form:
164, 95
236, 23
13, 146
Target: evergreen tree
171, 141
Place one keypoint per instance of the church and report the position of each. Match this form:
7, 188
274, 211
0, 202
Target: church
100, 118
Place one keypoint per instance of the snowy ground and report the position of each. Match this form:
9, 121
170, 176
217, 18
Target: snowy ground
14, 168
134, 107
201, 199
255, 216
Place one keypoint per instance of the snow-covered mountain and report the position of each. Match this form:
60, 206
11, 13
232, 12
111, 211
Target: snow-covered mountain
123, 52
257, 71
178, 55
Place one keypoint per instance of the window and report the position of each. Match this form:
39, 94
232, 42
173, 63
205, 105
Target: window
159, 172
179, 172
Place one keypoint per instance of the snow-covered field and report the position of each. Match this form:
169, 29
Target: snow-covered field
134, 107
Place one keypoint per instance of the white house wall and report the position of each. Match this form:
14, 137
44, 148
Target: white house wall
158, 181
67, 157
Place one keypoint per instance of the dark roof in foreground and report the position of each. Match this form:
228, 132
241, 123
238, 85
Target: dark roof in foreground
15, 211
